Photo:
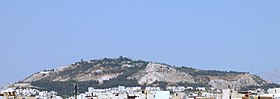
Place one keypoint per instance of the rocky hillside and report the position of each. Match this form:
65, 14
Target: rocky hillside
159, 72
112, 72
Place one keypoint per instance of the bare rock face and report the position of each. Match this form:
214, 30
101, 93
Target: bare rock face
244, 80
158, 72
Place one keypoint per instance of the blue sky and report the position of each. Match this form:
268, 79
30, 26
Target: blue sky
240, 35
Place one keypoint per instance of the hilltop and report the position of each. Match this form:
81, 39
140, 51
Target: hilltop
112, 72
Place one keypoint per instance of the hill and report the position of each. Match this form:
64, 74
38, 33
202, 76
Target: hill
112, 72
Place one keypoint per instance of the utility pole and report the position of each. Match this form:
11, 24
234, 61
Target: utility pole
76, 89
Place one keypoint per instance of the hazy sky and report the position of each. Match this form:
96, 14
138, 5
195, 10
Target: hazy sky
242, 35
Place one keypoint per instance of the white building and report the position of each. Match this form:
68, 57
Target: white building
162, 94
201, 88
153, 88
190, 88
273, 91
121, 89
225, 93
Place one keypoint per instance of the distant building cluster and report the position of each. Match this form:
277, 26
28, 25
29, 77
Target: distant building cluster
121, 92
11, 93
176, 92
